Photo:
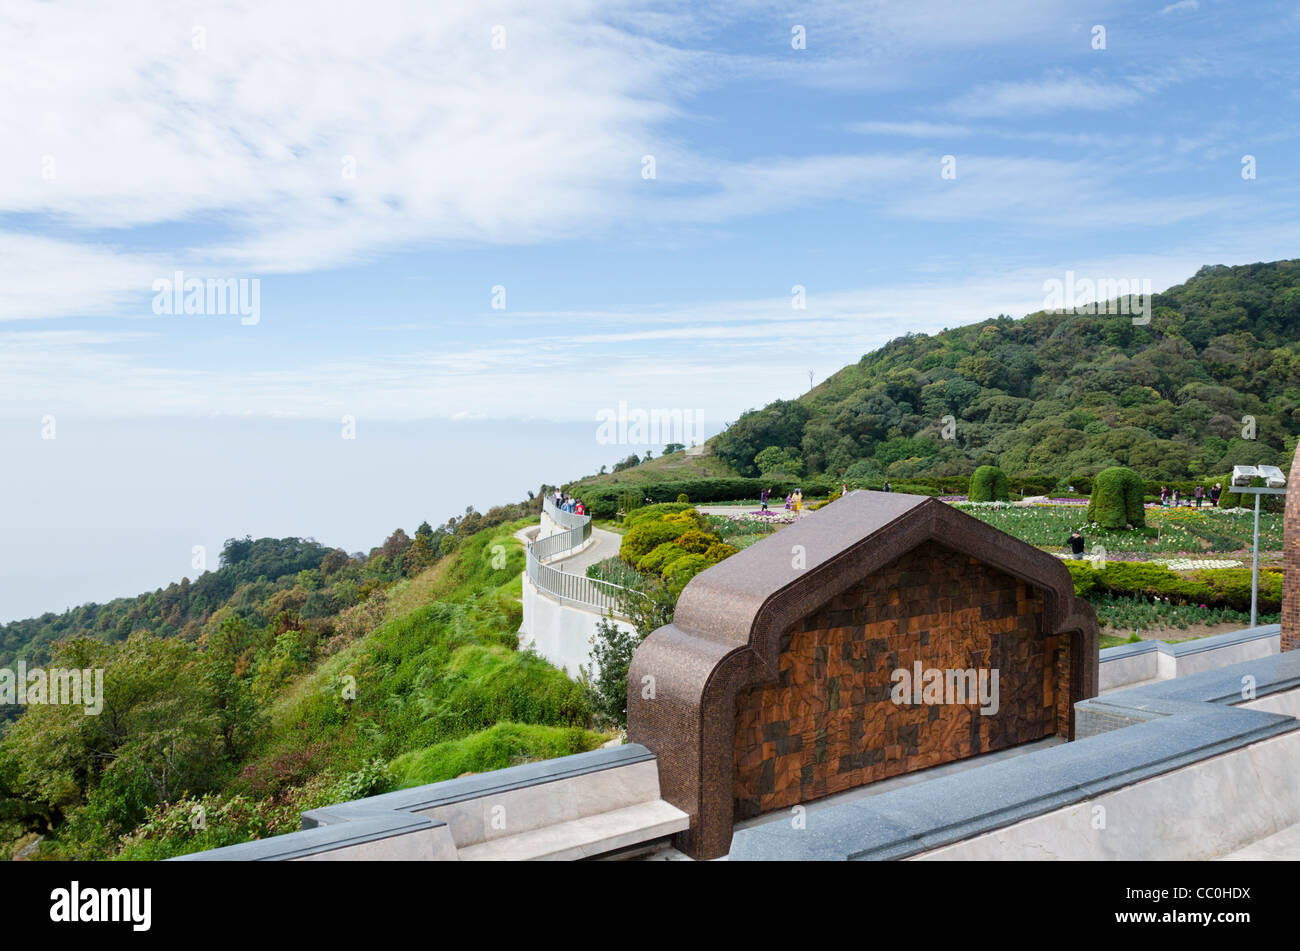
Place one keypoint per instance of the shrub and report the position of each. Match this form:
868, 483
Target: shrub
718, 551
689, 518
1116, 500
1215, 587
681, 497
989, 484
650, 513
645, 536
696, 542
603, 499
1081, 574
612, 648
654, 562
678, 572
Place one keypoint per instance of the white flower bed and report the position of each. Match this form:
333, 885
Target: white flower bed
1173, 564
770, 518
1187, 564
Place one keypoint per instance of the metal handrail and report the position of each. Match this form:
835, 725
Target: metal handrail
579, 589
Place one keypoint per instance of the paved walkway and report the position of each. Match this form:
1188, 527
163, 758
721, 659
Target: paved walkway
604, 544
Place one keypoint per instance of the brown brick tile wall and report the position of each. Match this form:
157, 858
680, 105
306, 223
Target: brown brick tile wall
829, 723
1291, 561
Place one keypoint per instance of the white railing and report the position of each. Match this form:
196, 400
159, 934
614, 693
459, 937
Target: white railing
578, 589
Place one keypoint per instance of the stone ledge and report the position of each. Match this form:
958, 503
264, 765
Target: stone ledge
484, 784
363, 829
1196, 646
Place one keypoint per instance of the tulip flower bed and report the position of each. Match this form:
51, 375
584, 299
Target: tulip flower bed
1169, 531
1141, 614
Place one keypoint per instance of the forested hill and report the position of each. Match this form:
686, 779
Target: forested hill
1061, 395
172, 610
257, 581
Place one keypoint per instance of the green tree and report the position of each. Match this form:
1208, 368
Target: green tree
1117, 499
989, 484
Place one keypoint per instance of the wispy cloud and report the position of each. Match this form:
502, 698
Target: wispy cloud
1043, 96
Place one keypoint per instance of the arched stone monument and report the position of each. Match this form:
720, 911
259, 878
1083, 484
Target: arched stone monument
882, 634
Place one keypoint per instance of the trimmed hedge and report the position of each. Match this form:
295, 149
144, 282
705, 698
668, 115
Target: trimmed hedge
989, 484
603, 501
1116, 500
1213, 587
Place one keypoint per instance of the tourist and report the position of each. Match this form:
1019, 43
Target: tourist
762, 497
1075, 541
1200, 495
1176, 497
1215, 493
1164, 496
888, 488
789, 501
844, 489
579, 508
798, 501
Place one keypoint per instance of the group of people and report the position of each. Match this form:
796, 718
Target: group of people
567, 503
793, 501
1199, 495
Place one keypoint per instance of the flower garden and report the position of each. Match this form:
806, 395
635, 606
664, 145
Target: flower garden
1186, 570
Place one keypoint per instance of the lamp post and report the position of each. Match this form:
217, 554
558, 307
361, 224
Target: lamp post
1275, 481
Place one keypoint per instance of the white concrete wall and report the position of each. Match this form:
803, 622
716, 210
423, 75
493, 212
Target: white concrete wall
1123, 671
510, 812
1202, 811
559, 632
1162, 665
1232, 654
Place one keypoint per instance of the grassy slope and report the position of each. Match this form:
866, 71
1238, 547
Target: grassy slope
664, 469
443, 665
440, 689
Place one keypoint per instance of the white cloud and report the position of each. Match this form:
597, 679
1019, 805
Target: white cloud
123, 123
1043, 96
46, 277
913, 129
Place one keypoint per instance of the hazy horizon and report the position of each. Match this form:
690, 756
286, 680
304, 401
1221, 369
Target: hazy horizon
163, 487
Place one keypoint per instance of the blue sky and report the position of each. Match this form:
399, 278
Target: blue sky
213, 138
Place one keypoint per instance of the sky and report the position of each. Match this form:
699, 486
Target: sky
464, 231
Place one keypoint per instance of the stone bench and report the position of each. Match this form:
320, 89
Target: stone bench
572, 807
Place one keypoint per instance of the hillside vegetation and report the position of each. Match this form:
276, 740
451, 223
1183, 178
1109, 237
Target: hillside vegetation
1212, 381
321, 677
